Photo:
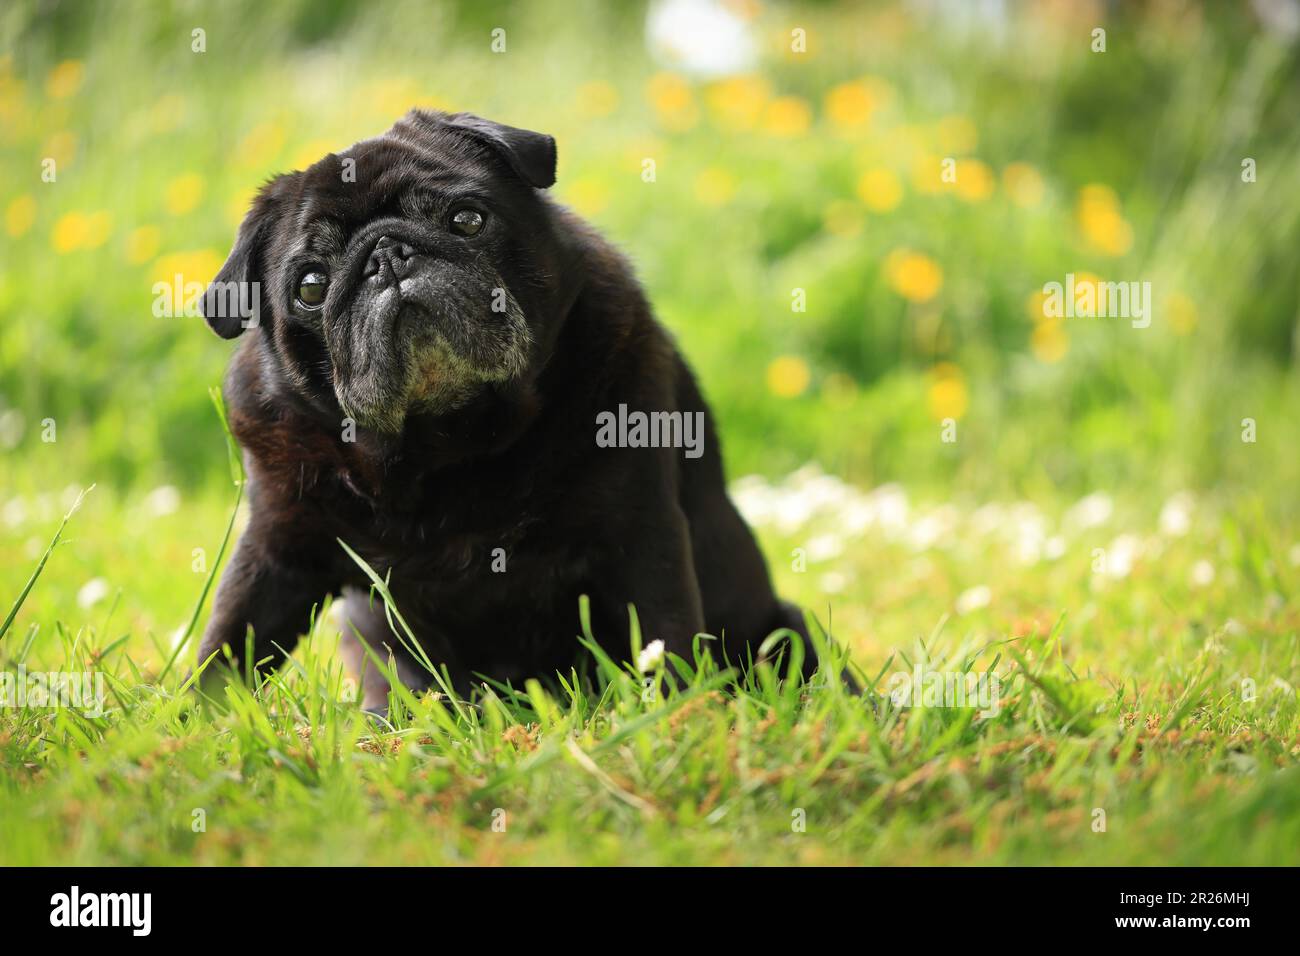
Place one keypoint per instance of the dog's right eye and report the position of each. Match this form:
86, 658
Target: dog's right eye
311, 290
467, 222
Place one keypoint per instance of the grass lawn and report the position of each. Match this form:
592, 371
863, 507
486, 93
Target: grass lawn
1146, 659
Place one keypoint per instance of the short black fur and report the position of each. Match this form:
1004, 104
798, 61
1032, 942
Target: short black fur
473, 428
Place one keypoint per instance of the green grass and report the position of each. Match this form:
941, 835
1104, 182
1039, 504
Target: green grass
1120, 695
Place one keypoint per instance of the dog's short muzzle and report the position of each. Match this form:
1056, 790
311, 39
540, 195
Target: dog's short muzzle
389, 262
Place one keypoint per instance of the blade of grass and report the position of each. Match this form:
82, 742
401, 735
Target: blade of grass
40, 565
237, 474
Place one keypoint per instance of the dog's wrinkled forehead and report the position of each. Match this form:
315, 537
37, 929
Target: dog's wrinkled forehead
426, 155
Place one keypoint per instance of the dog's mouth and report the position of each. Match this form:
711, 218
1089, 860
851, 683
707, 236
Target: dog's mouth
427, 345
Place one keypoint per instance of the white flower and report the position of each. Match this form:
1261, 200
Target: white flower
1088, 512
92, 592
1202, 573
859, 514
11, 428
972, 599
825, 492
1029, 531
932, 529
824, 547
792, 511
651, 657
1176, 515
1121, 554
15, 513
833, 582
753, 498
703, 37
891, 507
163, 500
988, 518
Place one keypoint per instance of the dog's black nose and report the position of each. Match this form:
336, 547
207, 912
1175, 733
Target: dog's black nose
389, 258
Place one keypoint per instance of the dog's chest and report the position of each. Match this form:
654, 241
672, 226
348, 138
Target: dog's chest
444, 528
475, 525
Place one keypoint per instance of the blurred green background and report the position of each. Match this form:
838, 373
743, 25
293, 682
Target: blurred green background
807, 155
818, 171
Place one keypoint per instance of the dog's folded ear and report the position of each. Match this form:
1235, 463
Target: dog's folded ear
227, 295
531, 155
233, 300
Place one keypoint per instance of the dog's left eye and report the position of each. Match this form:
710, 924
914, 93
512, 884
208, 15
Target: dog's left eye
311, 290
466, 222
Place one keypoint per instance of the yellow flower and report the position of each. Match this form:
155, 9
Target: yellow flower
914, 276
1036, 306
261, 146
880, 189
927, 174
1100, 220
787, 116
1023, 184
588, 196
192, 265
956, 135
714, 186
239, 205
99, 226
947, 392
843, 218
1098, 194
673, 101
76, 230
183, 193
390, 98
1049, 340
65, 79
142, 244
1087, 288
61, 147
788, 376
311, 153
70, 231
597, 99
849, 105
974, 180
12, 107
737, 102
20, 214
1182, 313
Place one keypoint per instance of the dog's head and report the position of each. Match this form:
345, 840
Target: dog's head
406, 275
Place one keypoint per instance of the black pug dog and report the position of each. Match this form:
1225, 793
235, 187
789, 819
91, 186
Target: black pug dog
439, 358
